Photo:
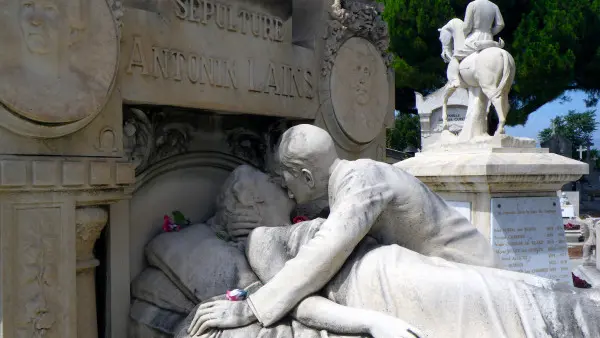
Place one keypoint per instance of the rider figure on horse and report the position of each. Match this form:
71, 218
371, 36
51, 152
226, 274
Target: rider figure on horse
483, 21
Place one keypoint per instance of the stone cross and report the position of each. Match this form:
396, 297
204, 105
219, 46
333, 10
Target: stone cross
581, 149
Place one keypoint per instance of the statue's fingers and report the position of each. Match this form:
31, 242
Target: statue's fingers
198, 324
194, 322
240, 232
207, 325
212, 334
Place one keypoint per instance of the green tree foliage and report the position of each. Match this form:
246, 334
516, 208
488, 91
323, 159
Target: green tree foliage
406, 132
577, 127
555, 45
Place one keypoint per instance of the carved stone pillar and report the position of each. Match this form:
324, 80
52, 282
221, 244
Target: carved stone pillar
61, 130
89, 222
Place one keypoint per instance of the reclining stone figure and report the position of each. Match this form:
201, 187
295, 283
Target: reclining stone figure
390, 291
365, 197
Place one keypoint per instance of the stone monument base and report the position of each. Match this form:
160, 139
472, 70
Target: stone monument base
449, 142
509, 194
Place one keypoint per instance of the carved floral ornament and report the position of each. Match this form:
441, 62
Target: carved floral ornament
58, 72
151, 135
351, 18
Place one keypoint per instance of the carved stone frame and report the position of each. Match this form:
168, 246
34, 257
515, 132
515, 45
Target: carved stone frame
26, 127
349, 19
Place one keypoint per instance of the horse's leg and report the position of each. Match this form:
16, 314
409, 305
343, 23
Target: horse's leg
502, 107
496, 79
448, 92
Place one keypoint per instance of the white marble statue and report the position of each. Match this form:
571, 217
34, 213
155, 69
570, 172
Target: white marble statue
387, 291
589, 228
365, 197
478, 63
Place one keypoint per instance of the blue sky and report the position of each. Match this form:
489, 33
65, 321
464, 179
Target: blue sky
540, 119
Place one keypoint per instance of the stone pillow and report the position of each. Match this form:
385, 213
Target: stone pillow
199, 263
154, 287
149, 321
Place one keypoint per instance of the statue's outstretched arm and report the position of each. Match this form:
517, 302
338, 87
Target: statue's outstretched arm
266, 252
321, 313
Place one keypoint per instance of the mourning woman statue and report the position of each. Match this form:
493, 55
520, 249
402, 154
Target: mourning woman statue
390, 291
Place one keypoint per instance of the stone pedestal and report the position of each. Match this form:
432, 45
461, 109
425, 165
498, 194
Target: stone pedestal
484, 180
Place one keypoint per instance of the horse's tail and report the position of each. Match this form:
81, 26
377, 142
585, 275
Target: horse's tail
507, 73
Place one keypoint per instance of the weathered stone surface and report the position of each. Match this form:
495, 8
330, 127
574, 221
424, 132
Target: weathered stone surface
149, 321
199, 263
154, 287
166, 64
59, 61
359, 89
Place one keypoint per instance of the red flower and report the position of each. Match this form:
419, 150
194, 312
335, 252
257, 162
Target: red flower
299, 219
580, 283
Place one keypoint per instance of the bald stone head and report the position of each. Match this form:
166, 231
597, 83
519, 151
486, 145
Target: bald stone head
306, 154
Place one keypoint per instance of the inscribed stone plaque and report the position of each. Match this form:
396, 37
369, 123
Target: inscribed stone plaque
58, 58
456, 119
359, 90
528, 235
229, 56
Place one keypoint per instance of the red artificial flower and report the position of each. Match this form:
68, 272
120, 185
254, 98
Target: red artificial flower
580, 283
299, 219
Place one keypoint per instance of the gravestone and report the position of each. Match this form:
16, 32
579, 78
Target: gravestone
560, 145
528, 236
430, 114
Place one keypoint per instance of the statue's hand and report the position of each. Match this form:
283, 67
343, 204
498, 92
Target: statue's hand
446, 56
391, 327
222, 314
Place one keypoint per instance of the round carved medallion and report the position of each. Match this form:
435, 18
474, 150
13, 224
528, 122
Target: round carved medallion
58, 62
359, 90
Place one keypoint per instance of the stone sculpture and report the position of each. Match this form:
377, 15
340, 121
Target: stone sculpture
485, 68
588, 230
366, 197
405, 302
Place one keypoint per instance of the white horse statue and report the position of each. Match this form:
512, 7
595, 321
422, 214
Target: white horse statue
488, 74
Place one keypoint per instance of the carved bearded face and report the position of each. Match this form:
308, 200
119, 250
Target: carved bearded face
40, 22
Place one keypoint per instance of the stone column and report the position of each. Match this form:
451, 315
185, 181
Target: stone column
89, 222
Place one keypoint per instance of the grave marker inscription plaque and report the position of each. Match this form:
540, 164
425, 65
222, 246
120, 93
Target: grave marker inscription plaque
528, 235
